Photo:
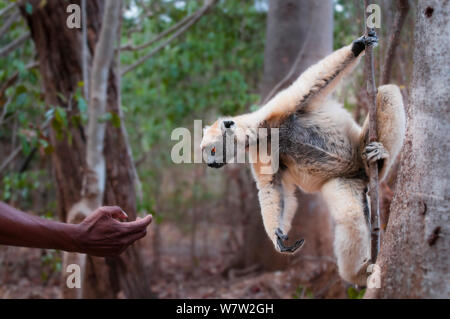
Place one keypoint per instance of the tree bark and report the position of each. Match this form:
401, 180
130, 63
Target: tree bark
94, 183
415, 252
394, 39
59, 51
299, 33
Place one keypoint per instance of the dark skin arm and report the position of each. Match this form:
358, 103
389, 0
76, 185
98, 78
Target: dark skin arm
100, 234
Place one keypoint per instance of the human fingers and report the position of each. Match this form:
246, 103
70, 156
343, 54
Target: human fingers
138, 224
114, 211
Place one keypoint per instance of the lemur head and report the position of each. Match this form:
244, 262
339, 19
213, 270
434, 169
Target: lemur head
220, 140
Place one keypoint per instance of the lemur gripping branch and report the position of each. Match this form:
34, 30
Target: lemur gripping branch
321, 149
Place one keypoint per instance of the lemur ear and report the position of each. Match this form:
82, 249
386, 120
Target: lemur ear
228, 125
205, 129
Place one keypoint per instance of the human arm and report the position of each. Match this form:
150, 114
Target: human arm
100, 234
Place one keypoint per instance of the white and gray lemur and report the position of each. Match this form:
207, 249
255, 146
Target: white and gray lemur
321, 149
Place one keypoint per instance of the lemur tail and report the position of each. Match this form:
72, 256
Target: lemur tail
391, 126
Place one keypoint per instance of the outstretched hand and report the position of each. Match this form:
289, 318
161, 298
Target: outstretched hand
101, 234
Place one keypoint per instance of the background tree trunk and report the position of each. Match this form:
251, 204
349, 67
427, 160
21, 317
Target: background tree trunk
415, 252
60, 55
297, 31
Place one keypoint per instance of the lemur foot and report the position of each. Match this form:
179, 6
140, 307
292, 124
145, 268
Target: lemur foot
362, 42
374, 152
287, 249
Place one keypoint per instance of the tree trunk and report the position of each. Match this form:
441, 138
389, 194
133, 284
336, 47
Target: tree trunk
299, 33
60, 55
415, 252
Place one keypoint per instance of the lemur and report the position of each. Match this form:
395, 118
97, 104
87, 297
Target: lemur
321, 149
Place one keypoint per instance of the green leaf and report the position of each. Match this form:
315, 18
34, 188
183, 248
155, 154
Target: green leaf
62, 97
104, 118
20, 66
158, 218
82, 105
353, 293
43, 143
25, 145
60, 116
28, 8
115, 119
49, 114
49, 149
21, 89
6, 195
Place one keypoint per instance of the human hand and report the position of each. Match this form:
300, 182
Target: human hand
101, 234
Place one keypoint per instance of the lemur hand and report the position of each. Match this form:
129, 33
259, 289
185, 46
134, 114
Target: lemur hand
286, 249
362, 42
374, 152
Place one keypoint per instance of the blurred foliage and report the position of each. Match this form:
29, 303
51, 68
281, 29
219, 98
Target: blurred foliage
213, 69
354, 293
348, 22
22, 111
51, 264
303, 292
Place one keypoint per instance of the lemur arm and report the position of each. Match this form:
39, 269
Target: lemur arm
318, 81
278, 206
391, 129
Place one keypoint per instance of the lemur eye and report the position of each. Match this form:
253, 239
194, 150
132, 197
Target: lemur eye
213, 151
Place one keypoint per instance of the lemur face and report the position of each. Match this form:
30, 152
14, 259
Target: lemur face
218, 143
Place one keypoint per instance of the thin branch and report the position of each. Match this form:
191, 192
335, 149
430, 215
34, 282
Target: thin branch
182, 30
7, 9
373, 136
147, 13
143, 158
10, 158
5, 109
10, 81
14, 45
85, 51
400, 15
8, 23
161, 35
17, 150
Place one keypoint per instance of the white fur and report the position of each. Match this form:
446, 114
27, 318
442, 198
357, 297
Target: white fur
343, 196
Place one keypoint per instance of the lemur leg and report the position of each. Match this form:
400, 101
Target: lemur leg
289, 203
278, 206
318, 81
391, 129
347, 202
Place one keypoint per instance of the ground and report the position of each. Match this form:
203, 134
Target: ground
35, 273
